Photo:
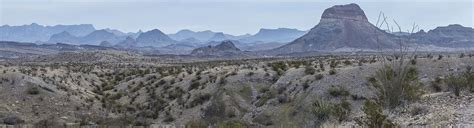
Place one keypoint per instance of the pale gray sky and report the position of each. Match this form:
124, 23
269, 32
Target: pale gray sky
230, 16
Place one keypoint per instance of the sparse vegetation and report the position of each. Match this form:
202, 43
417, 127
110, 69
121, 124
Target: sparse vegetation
338, 91
309, 70
33, 90
374, 117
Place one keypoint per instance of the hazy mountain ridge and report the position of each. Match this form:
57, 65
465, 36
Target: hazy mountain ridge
281, 35
455, 36
93, 38
35, 32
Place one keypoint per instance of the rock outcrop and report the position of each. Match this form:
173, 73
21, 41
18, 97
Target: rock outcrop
341, 26
226, 48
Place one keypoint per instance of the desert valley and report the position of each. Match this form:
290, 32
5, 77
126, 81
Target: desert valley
343, 72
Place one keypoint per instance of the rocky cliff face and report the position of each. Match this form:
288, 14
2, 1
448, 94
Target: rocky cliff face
341, 26
226, 48
345, 12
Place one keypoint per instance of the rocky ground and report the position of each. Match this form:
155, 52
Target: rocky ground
279, 92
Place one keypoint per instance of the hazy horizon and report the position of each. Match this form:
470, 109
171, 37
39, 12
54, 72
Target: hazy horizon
229, 16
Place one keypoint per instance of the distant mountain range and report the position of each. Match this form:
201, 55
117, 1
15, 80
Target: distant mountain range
341, 28
87, 34
35, 32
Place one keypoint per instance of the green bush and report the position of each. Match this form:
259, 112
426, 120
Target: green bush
347, 62
232, 124
322, 109
200, 99
309, 70
374, 117
268, 94
337, 91
279, 67
342, 110
332, 72
318, 76
34, 90
194, 85
456, 83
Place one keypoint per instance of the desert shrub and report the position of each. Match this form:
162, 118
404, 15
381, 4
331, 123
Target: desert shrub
250, 74
169, 119
232, 124
342, 110
318, 76
13, 120
322, 109
197, 124
264, 119
200, 99
269, 94
347, 62
305, 85
337, 91
309, 70
395, 86
321, 66
333, 63
357, 97
332, 72
279, 67
194, 85
374, 117
456, 83
440, 57
413, 61
33, 90
418, 109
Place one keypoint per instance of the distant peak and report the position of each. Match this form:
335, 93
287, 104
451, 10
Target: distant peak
346, 12
34, 24
154, 31
455, 25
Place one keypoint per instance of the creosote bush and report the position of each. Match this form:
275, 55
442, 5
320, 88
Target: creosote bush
332, 72
309, 70
318, 76
337, 91
34, 90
